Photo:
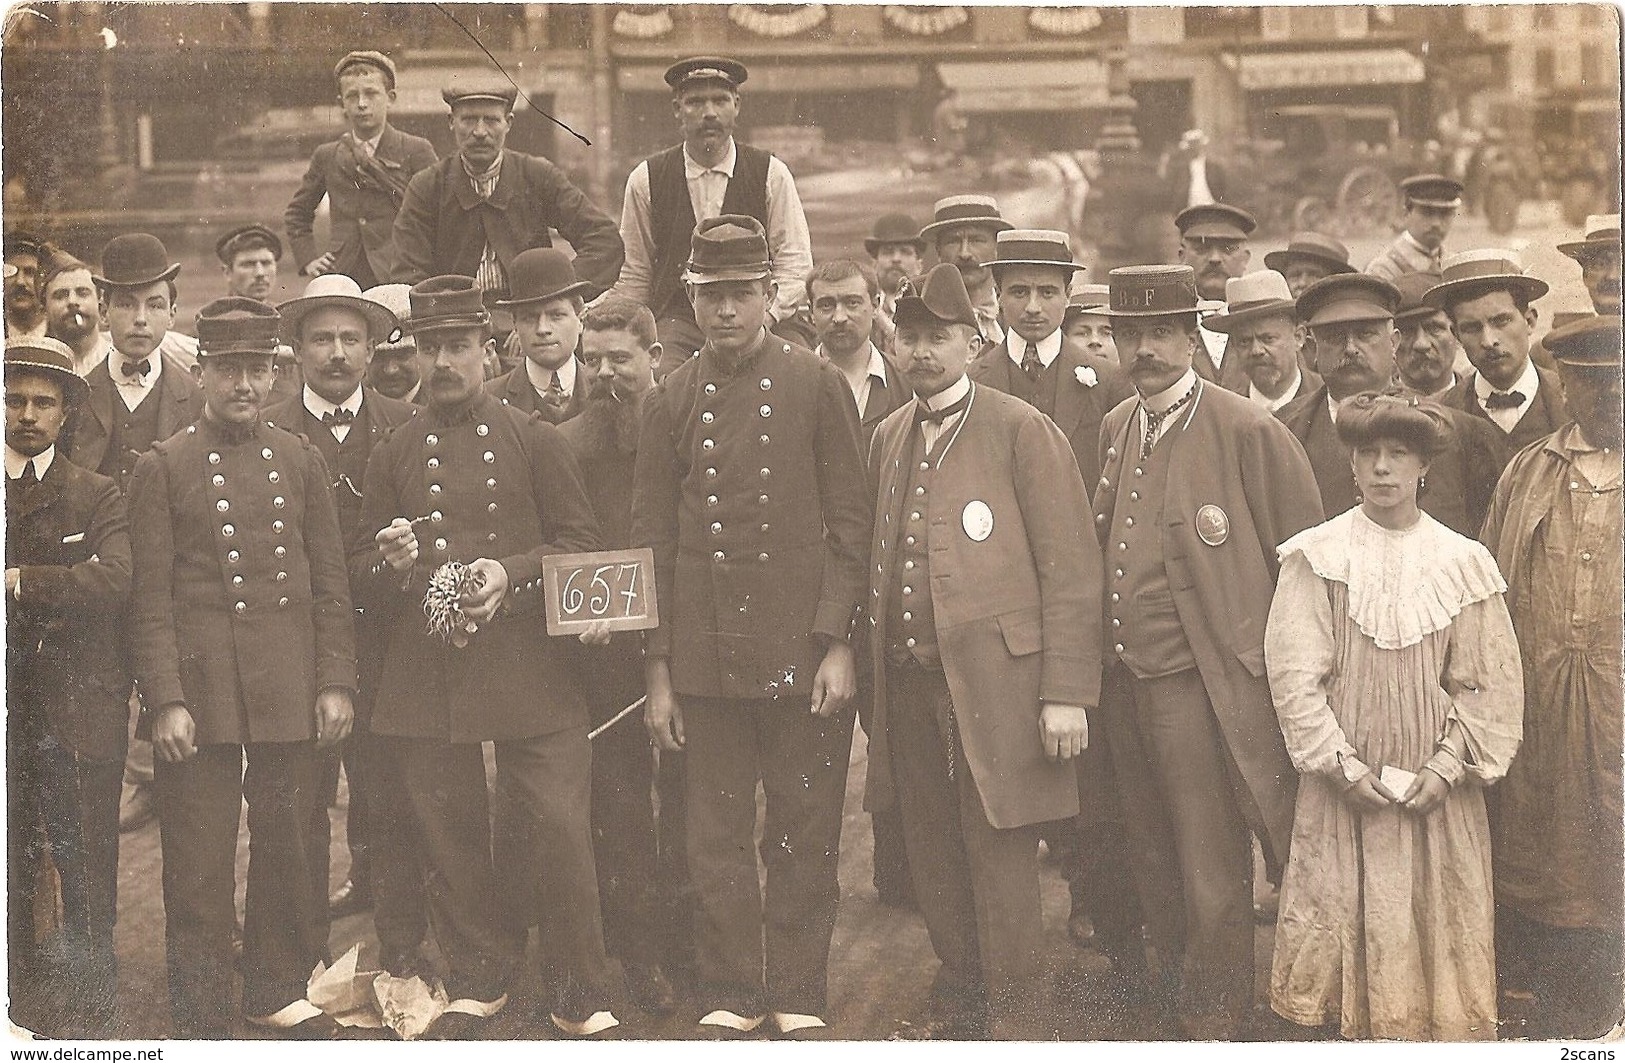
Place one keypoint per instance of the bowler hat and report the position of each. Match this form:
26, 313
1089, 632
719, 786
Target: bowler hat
377, 60
49, 357
1431, 190
1469, 274
337, 289
942, 298
136, 259
964, 210
1033, 247
238, 325
468, 90
1602, 234
894, 229
1150, 291
448, 301
246, 238
729, 247
1592, 341
1412, 287
1262, 293
696, 68
1322, 250
1345, 297
1215, 221
396, 299
539, 274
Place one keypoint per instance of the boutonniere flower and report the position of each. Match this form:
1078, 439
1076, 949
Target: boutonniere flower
1086, 376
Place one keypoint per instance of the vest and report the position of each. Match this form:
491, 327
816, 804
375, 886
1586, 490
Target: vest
1041, 395
910, 618
671, 217
134, 433
1142, 625
346, 459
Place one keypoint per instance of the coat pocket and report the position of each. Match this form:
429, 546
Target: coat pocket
1023, 631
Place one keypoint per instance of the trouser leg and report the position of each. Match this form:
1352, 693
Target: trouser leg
357, 814
623, 829
319, 830
25, 843
400, 913
674, 887
285, 917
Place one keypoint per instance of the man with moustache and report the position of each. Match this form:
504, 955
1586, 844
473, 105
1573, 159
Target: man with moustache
1598, 256
546, 301
248, 257
1198, 487
1213, 242
73, 311
1307, 258
621, 351
1432, 202
1351, 317
963, 231
393, 371
1429, 353
1264, 338
899, 254
25, 312
985, 597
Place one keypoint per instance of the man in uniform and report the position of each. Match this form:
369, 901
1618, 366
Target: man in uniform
708, 174
492, 490
963, 231
1307, 258
472, 214
1555, 531
393, 371
1432, 202
248, 256
25, 311
1429, 353
67, 680
1598, 256
1213, 242
985, 593
546, 303
1264, 338
751, 493
73, 311
243, 647
899, 255
1198, 487
363, 175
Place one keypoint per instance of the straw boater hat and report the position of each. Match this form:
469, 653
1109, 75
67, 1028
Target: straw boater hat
49, 358
964, 210
1085, 300
1431, 190
1033, 247
237, 325
698, 68
941, 298
893, 229
1347, 297
134, 260
1251, 296
336, 289
449, 301
540, 274
1322, 250
1151, 291
729, 247
1602, 234
246, 238
1469, 274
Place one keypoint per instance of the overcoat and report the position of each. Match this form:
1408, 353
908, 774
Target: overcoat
180, 402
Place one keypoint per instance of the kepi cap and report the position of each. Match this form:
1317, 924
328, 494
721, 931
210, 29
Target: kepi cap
337, 289
135, 259
1347, 297
49, 357
1251, 296
377, 60
246, 238
1431, 190
1322, 250
238, 325
963, 210
1592, 341
1602, 234
1033, 247
695, 68
894, 229
1468, 274
1151, 291
446, 302
539, 274
941, 298
1215, 221
729, 247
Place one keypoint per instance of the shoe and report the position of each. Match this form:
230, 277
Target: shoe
406, 964
136, 808
464, 1018
349, 899
723, 1025
650, 989
793, 1027
299, 1021
593, 1026
935, 1027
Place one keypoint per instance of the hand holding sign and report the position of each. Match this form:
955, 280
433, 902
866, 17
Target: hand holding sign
610, 590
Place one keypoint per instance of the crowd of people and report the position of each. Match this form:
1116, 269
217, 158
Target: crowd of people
1194, 562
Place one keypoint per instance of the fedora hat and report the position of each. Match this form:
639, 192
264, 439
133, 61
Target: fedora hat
964, 210
238, 325
1150, 291
135, 259
1033, 247
1215, 221
48, 357
337, 289
729, 247
246, 238
1602, 234
377, 60
941, 298
1251, 296
447, 301
1594, 340
1322, 250
1347, 297
894, 229
1470, 273
396, 299
539, 274
1431, 190
697, 68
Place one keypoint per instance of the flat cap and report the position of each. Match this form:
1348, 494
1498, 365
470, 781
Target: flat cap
1431, 190
470, 90
1219, 221
246, 238
1591, 341
1412, 287
697, 68
23, 241
942, 299
375, 60
1345, 297
238, 325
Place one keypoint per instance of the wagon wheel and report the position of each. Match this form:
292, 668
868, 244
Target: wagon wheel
1367, 202
1311, 213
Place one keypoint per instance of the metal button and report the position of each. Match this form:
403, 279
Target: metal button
1100, 518
708, 444
907, 589
707, 417
491, 538
1116, 622
488, 457
710, 474
433, 463
1118, 647
1585, 556
908, 564
1134, 496
766, 473
214, 459
716, 527
223, 506
280, 552
279, 502
492, 484
766, 410
266, 453
277, 526
432, 439
434, 489
1574, 485
710, 389
1139, 472
711, 500
925, 466
482, 430
1111, 452
282, 577
227, 530
491, 507
761, 499
1129, 521
920, 490
764, 439
767, 385
761, 557
274, 476
764, 529
237, 580
914, 516
241, 607
1122, 546
907, 615
233, 556
909, 643
1104, 482
1116, 597
218, 480
436, 517
282, 602
909, 540
1119, 573
440, 544
719, 556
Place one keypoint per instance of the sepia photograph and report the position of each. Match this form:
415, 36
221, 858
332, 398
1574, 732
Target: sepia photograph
566, 522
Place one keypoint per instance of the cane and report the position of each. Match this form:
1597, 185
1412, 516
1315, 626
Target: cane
617, 718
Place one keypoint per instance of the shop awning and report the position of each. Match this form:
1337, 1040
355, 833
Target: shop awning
1034, 85
1296, 70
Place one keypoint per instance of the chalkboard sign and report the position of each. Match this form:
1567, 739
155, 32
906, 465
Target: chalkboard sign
609, 585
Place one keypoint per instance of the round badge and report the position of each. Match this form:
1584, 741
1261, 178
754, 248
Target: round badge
977, 520
1212, 525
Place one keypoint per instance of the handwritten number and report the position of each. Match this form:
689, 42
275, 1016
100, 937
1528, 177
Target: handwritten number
573, 596
631, 592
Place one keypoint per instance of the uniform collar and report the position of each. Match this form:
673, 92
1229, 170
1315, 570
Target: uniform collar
948, 395
1165, 398
42, 462
219, 431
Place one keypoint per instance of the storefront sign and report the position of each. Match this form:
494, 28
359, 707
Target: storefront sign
1036, 85
1293, 70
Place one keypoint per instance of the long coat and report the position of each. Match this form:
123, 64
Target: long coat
1231, 454
180, 402
240, 608
1018, 614
361, 211
514, 388
65, 651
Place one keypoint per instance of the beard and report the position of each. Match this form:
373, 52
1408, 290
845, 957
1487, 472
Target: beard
68, 332
612, 423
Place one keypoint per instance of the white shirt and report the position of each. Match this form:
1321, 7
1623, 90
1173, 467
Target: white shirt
986, 305
368, 147
863, 382
542, 379
1528, 385
1049, 348
941, 400
98, 355
319, 407
1200, 194
1161, 401
179, 346
1215, 342
42, 462
789, 246
134, 390
1286, 396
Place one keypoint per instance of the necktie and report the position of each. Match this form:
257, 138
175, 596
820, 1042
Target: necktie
1505, 400
340, 416
28, 477
555, 391
1031, 364
137, 370
924, 413
1154, 422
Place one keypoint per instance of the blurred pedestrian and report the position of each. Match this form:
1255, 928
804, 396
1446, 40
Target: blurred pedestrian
962, 231
1193, 179
1213, 241
546, 301
1432, 202
1430, 360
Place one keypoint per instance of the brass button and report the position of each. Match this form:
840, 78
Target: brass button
719, 556
233, 556
707, 417
766, 410
1116, 597
214, 459
710, 474
1100, 518
1139, 472
761, 557
907, 615
767, 385
227, 530
433, 462
1134, 496
440, 544
766, 473
432, 439
436, 517
237, 580
1118, 647
907, 589
1116, 622
1129, 521
762, 499
280, 552
434, 489
223, 506
282, 602
763, 439
279, 502
710, 389
488, 457
925, 466
910, 643
277, 526
1122, 546
711, 500
491, 484
1119, 573
241, 607
764, 529
274, 476
482, 430
266, 453
909, 541
716, 527
491, 507
708, 444
218, 480
282, 577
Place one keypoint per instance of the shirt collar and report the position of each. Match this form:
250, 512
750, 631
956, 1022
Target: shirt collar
541, 379
372, 142
1173, 393
491, 174
104, 346
1528, 383
1049, 348
1414, 244
115, 367
42, 462
1286, 396
319, 407
693, 169
948, 395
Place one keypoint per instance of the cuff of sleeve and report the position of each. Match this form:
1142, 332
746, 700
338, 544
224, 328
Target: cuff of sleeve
336, 672
1351, 769
833, 620
1447, 765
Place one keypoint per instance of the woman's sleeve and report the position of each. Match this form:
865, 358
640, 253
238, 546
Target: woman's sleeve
1299, 653
1484, 678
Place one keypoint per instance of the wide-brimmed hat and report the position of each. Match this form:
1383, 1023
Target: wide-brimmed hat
397, 299
135, 259
1592, 341
729, 247
238, 325
1262, 293
1431, 190
730, 72
1412, 287
49, 357
941, 297
1322, 250
473, 88
1033, 247
337, 289
894, 229
539, 274
444, 302
377, 60
964, 210
1150, 291
1346, 297
246, 238
1215, 221
1468, 274
1602, 234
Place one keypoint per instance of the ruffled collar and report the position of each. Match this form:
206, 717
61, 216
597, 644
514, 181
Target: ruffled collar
1402, 585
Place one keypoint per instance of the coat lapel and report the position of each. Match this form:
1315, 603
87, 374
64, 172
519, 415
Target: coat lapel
1071, 396
43, 494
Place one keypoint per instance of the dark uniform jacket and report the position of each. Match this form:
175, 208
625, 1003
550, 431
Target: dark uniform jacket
514, 388
606, 473
444, 225
65, 651
180, 402
241, 609
362, 208
752, 494
1546, 414
495, 483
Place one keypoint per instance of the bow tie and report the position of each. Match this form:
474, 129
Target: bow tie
137, 370
924, 413
1505, 400
340, 416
